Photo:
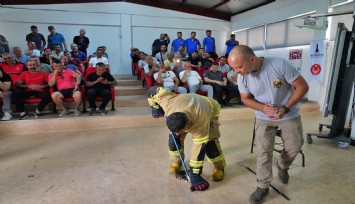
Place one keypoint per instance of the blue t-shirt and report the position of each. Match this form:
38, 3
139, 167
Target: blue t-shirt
271, 85
57, 38
81, 55
230, 45
178, 42
209, 43
192, 45
72, 67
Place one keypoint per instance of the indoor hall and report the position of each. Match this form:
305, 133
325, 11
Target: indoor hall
123, 157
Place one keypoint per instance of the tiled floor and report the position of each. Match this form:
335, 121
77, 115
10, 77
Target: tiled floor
130, 165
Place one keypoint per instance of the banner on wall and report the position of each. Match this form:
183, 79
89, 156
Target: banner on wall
317, 60
295, 59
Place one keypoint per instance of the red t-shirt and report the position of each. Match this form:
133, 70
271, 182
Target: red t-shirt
64, 80
38, 78
17, 68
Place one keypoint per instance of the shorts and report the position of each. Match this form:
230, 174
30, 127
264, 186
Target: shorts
67, 93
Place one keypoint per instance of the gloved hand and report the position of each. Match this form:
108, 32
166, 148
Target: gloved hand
197, 182
157, 113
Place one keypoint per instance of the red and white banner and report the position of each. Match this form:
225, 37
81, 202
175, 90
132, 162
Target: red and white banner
295, 59
317, 60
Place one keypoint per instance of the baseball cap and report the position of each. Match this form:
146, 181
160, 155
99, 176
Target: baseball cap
50, 27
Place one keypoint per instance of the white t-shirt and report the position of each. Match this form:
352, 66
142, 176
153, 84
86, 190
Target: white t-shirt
229, 77
193, 78
271, 85
35, 53
95, 60
167, 78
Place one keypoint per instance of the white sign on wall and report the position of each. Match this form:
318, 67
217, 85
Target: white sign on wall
317, 60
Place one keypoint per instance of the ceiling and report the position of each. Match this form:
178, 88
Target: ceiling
220, 9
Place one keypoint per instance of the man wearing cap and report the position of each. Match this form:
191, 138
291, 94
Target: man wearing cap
36, 37
55, 38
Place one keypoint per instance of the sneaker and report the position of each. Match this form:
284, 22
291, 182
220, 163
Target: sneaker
76, 112
92, 111
23, 115
259, 195
37, 113
282, 174
102, 111
228, 104
174, 168
218, 174
63, 112
7, 116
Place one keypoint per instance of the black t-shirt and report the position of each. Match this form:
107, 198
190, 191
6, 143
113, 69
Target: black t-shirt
93, 77
218, 76
193, 61
44, 60
157, 44
82, 42
135, 58
206, 63
5, 78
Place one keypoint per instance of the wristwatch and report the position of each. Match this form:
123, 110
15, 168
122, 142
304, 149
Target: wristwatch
286, 109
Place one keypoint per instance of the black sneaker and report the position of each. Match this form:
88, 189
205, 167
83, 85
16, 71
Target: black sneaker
282, 174
259, 195
92, 111
37, 113
102, 111
23, 115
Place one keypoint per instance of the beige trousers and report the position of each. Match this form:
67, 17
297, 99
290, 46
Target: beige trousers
265, 131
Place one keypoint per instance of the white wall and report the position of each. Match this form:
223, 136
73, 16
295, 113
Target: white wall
117, 25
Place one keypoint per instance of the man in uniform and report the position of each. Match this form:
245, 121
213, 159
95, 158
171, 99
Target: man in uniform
198, 115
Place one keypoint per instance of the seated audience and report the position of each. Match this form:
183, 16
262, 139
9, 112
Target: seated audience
75, 61
17, 54
151, 67
222, 66
47, 56
168, 80
99, 84
142, 62
207, 60
75, 53
182, 52
32, 50
67, 65
194, 80
232, 77
177, 66
169, 61
201, 53
11, 66
195, 61
68, 86
99, 58
162, 55
42, 66
104, 54
135, 55
57, 52
31, 83
219, 84
5, 95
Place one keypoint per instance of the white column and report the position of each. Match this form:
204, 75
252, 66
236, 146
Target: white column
126, 44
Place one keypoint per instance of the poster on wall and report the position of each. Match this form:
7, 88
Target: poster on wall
295, 59
317, 60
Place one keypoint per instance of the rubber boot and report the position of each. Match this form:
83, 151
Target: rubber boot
174, 168
218, 174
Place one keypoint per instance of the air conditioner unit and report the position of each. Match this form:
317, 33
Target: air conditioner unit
318, 23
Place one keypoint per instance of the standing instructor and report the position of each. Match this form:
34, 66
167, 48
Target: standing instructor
273, 88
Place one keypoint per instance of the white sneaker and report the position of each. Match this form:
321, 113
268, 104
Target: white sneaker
7, 116
63, 112
76, 112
